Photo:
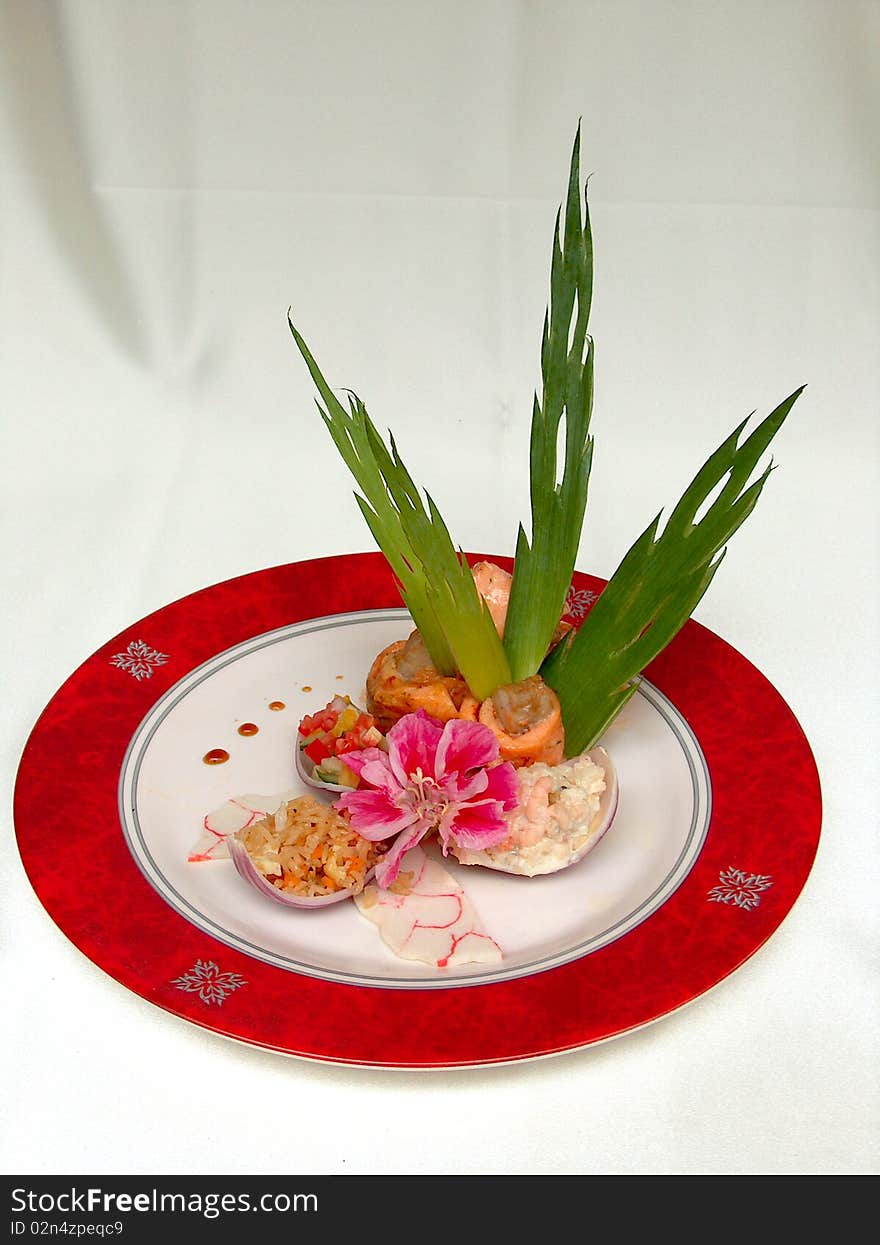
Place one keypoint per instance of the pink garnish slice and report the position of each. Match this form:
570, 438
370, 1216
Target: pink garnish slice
430, 919
233, 815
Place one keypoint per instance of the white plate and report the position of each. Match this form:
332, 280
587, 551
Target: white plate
166, 790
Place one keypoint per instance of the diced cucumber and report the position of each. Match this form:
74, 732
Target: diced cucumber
334, 769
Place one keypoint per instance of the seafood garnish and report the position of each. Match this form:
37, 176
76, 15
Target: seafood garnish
563, 812
426, 916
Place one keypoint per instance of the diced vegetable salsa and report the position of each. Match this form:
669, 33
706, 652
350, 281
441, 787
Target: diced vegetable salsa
327, 735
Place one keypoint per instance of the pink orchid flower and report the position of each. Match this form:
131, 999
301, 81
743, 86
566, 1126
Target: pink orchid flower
432, 777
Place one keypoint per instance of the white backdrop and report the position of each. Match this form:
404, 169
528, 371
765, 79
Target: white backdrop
175, 175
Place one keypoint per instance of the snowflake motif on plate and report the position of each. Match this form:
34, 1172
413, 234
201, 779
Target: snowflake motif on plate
578, 601
739, 888
206, 980
139, 660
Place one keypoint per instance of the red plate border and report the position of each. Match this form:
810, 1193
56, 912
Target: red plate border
759, 850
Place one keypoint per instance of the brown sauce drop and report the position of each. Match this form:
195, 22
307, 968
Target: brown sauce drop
306, 687
277, 705
216, 756
248, 728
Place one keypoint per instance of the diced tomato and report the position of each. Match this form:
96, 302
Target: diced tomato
324, 720
317, 751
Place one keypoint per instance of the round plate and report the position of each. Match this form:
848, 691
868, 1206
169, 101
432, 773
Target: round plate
715, 835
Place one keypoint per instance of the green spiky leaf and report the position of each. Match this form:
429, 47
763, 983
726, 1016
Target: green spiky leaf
543, 566
470, 633
656, 587
351, 432
434, 579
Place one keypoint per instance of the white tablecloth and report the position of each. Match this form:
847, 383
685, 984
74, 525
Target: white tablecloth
175, 176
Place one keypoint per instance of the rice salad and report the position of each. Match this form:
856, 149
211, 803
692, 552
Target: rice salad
307, 848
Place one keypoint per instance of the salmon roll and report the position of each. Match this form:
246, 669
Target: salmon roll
526, 718
403, 680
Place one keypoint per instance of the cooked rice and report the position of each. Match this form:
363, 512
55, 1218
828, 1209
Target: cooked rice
307, 848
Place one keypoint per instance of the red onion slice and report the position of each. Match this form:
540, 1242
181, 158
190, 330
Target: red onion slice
598, 827
249, 871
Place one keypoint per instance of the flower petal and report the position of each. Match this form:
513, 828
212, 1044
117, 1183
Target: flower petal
374, 815
378, 774
412, 743
359, 757
373, 767
498, 782
477, 826
465, 746
462, 787
388, 868
503, 785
